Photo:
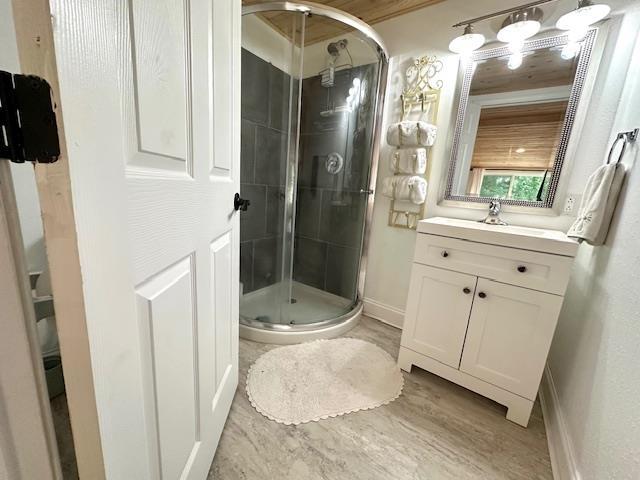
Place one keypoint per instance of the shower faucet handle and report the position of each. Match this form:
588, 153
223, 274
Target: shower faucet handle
368, 192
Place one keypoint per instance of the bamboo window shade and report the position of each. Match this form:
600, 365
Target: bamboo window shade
519, 137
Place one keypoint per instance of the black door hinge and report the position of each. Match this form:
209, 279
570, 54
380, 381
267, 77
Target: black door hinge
28, 127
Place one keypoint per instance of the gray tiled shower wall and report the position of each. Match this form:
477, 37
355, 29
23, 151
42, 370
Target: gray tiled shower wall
330, 208
265, 110
330, 211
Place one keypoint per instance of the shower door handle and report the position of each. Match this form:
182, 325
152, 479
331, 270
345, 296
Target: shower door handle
368, 192
240, 203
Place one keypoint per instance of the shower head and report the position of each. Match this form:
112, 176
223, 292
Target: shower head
334, 47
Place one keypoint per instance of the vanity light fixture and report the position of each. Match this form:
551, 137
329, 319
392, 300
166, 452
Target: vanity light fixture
467, 42
577, 24
523, 22
520, 25
516, 28
583, 16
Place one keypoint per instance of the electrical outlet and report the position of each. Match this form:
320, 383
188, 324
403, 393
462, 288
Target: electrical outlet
569, 204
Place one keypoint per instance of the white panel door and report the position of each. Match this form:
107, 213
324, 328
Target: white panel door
437, 313
150, 98
509, 336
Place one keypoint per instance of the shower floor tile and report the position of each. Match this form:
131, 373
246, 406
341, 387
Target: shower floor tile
436, 430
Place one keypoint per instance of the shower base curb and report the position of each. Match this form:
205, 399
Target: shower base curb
291, 337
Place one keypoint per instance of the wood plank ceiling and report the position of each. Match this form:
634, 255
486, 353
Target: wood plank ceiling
542, 68
319, 28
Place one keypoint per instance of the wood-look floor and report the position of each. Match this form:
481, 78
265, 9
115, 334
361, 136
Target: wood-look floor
64, 439
435, 430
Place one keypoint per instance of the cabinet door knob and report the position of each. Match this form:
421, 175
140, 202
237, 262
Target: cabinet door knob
445, 254
466, 290
522, 268
482, 295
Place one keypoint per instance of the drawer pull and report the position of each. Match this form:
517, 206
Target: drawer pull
522, 268
482, 295
466, 290
445, 254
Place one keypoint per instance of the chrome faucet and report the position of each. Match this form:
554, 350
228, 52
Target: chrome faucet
494, 214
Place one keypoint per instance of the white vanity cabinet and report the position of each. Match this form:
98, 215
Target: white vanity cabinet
482, 307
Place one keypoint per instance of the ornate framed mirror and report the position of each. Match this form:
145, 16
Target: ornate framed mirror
514, 122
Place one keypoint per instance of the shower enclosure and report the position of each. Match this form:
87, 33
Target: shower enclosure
312, 88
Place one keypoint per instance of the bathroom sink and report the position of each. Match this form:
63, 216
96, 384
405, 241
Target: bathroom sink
537, 239
532, 232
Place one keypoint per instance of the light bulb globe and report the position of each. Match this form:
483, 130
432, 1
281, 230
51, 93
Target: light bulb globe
467, 43
583, 16
515, 60
518, 31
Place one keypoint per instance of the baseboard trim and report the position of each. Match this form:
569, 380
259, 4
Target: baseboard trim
385, 313
563, 460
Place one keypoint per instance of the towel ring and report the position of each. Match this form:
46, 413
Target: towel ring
626, 137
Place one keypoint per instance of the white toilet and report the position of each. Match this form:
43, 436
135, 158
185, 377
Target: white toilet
47, 332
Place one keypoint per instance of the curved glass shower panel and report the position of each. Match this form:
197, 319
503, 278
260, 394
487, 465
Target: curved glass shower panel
340, 80
271, 66
310, 86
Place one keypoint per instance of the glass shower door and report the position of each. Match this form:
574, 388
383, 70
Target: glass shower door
340, 78
271, 63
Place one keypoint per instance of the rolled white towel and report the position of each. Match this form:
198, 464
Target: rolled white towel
406, 188
409, 160
411, 134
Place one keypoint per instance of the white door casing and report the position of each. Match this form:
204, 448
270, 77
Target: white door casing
150, 94
437, 313
27, 438
510, 322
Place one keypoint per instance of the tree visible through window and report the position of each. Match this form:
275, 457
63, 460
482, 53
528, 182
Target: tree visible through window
516, 185
497, 186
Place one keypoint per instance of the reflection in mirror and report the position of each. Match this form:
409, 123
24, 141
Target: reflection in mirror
509, 141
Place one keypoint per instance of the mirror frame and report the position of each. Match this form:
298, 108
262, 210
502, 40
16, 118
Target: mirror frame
466, 72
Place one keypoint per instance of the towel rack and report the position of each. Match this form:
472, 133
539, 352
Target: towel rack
420, 97
626, 137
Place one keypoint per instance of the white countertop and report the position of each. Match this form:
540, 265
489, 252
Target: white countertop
536, 239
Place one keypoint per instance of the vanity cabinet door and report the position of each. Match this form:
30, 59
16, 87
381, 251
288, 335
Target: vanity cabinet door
509, 334
437, 313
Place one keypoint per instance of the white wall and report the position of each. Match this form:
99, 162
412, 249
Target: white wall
265, 42
23, 175
24, 183
428, 31
595, 354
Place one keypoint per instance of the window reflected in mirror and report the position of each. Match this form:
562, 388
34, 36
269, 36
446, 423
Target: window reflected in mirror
515, 149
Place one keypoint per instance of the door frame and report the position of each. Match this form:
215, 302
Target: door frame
28, 446
34, 38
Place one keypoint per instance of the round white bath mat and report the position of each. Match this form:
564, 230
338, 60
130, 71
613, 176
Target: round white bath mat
321, 379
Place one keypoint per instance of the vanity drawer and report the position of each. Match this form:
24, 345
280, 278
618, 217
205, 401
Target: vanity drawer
539, 271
